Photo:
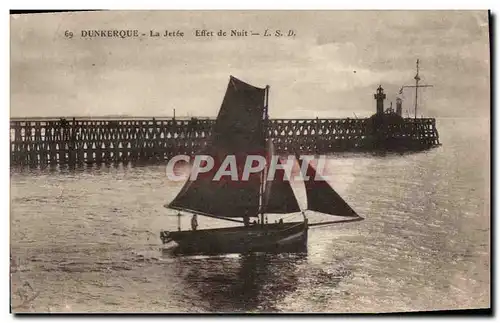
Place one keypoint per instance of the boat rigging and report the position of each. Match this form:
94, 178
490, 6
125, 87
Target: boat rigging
241, 130
416, 86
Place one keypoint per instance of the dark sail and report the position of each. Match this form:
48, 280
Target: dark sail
278, 194
321, 197
238, 127
237, 131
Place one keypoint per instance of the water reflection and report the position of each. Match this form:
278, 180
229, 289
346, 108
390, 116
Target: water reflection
241, 283
110, 165
86, 169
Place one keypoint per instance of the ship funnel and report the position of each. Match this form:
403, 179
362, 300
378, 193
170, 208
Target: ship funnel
399, 107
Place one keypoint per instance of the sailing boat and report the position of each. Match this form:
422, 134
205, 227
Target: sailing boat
240, 130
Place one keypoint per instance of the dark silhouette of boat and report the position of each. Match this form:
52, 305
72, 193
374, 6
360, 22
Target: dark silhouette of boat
240, 130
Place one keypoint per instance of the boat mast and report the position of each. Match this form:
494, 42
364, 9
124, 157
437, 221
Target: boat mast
263, 179
417, 79
416, 86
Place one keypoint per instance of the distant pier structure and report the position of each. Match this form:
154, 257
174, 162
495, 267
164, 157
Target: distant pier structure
78, 141
388, 130
88, 141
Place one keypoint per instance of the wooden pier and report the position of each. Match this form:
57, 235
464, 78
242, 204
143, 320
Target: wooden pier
77, 141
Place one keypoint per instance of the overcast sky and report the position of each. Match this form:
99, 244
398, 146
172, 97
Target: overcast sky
330, 69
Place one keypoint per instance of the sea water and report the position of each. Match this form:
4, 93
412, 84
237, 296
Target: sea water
87, 240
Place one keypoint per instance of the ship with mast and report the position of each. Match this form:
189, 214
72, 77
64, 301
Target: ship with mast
241, 130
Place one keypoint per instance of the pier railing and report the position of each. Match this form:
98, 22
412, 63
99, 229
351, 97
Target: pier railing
79, 141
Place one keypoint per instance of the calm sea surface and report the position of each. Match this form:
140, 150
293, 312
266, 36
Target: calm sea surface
87, 240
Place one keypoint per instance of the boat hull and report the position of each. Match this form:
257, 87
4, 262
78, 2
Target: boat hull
285, 237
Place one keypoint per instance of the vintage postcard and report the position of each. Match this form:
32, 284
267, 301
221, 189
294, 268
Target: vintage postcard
250, 161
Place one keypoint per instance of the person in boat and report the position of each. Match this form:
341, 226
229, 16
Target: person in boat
246, 219
194, 222
281, 221
179, 221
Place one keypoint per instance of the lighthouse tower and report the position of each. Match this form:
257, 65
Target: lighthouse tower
380, 97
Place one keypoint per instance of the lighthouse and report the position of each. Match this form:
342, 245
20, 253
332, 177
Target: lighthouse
380, 97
